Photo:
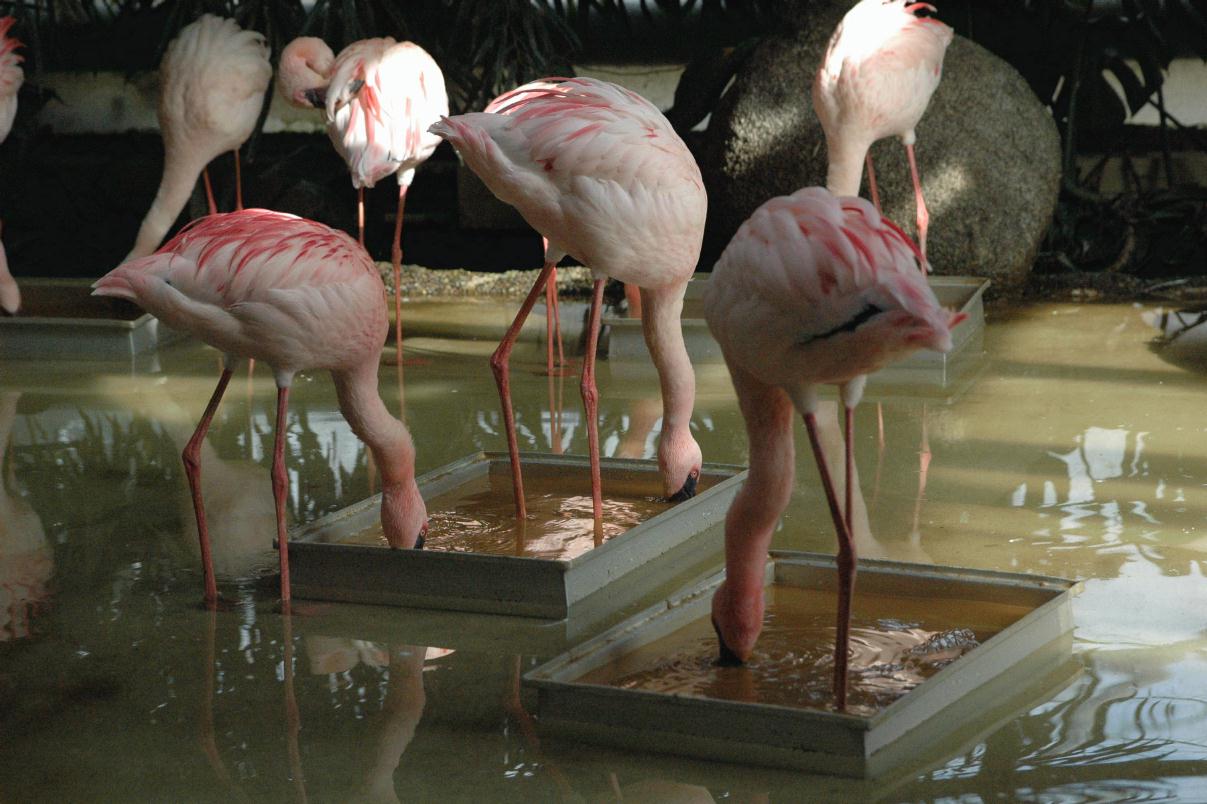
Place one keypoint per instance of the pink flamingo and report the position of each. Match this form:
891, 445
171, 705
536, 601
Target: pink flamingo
813, 289
881, 67
212, 84
380, 97
600, 173
11, 78
296, 295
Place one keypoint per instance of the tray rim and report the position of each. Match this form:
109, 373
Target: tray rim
553, 675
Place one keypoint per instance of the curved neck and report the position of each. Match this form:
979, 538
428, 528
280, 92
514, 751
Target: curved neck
751, 520
180, 171
845, 165
385, 436
660, 322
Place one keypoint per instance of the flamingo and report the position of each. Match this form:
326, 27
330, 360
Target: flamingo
297, 295
212, 83
881, 67
813, 289
11, 78
380, 97
600, 173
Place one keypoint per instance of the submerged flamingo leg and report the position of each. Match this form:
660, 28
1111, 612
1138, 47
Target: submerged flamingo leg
396, 259
873, 190
360, 216
846, 569
499, 366
280, 488
192, 470
238, 183
293, 718
209, 190
591, 399
923, 215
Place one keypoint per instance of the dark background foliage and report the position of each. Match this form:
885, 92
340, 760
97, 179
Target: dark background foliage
1066, 50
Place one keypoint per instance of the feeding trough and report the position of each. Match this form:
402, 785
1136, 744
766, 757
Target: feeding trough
626, 345
61, 319
650, 682
477, 559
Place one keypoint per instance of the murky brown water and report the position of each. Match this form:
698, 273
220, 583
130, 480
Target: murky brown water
480, 517
1074, 449
895, 645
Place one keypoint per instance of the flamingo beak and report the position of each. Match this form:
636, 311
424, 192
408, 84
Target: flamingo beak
422, 538
316, 97
689, 489
726, 657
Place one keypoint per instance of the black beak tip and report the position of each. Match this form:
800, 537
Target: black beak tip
421, 540
688, 491
316, 97
725, 656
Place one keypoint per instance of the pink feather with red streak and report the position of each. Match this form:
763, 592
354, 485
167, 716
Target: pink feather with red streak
802, 268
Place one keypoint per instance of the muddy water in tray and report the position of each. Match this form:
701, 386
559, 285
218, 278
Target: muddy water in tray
896, 644
479, 517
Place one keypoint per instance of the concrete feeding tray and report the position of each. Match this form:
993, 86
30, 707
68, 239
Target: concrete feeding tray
549, 571
60, 319
603, 690
963, 293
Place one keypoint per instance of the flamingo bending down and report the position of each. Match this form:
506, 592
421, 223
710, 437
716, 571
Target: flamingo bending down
881, 67
212, 83
813, 289
11, 78
600, 173
380, 97
297, 295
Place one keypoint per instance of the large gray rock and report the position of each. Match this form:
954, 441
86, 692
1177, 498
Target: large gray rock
988, 153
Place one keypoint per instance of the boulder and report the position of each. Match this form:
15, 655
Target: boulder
988, 153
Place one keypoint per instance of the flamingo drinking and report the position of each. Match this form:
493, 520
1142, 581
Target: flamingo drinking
212, 83
297, 295
600, 173
380, 98
11, 78
813, 289
881, 67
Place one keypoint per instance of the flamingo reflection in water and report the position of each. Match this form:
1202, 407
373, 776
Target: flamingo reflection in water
26, 560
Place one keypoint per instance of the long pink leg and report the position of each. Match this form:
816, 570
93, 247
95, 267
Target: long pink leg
553, 319
500, 367
238, 184
280, 487
923, 215
192, 470
360, 216
591, 400
846, 569
209, 190
396, 258
872, 188
849, 438
550, 305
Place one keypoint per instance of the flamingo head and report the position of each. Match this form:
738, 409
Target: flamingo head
403, 516
679, 463
738, 621
305, 71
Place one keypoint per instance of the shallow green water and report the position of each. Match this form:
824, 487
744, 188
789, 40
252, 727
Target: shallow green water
1074, 450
